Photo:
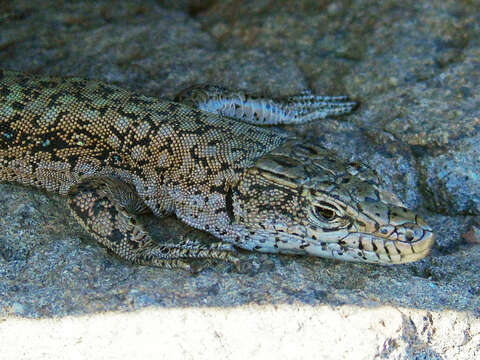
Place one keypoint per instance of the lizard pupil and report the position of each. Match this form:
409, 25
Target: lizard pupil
325, 213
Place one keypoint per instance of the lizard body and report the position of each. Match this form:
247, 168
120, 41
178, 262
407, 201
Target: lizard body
116, 154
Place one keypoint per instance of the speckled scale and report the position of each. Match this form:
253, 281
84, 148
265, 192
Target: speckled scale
54, 131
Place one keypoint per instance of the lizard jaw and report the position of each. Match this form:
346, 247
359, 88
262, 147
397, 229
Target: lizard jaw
371, 248
356, 246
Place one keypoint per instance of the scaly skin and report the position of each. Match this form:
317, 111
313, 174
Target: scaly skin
116, 155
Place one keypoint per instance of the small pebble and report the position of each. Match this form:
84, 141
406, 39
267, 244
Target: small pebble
472, 236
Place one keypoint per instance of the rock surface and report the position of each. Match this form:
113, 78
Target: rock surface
415, 68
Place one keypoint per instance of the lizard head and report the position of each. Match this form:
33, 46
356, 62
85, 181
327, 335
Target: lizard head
303, 199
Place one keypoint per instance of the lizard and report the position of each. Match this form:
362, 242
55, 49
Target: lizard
204, 157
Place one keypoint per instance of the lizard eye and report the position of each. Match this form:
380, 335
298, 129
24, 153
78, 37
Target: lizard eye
325, 213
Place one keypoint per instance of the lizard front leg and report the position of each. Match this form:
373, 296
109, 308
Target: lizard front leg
296, 109
108, 209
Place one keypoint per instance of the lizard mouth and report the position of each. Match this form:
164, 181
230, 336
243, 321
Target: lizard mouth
400, 251
375, 248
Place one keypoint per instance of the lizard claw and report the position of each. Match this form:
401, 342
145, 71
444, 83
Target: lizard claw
307, 106
236, 262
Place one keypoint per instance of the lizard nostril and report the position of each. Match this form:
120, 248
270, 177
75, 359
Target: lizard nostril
409, 235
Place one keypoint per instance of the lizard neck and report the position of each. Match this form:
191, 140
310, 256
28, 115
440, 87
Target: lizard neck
195, 161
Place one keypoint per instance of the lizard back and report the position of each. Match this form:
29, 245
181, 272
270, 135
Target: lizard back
55, 132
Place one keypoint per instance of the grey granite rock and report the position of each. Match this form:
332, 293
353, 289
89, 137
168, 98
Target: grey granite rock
414, 67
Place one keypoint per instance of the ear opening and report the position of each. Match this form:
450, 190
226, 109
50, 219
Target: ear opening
229, 205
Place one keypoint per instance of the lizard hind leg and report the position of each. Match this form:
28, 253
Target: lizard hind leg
108, 209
